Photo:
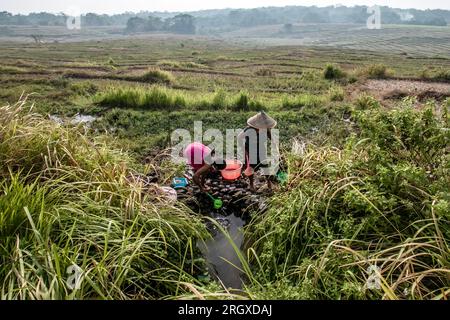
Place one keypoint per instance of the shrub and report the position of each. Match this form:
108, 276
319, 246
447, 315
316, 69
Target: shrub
120, 98
242, 102
220, 100
377, 71
157, 76
336, 93
443, 74
384, 198
159, 99
85, 88
156, 98
365, 102
333, 72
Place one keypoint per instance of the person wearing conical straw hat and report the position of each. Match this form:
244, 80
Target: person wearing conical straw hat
253, 141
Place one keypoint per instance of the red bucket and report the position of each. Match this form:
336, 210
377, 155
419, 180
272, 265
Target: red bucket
232, 170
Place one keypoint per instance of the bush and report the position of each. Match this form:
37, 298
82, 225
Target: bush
120, 98
220, 100
365, 102
157, 76
332, 72
241, 103
441, 74
377, 71
336, 93
382, 200
137, 98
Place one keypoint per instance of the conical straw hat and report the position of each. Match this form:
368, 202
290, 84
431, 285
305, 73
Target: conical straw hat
261, 121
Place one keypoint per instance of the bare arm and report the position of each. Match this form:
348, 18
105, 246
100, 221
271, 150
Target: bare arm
199, 175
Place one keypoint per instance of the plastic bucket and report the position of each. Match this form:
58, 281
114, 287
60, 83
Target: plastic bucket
232, 170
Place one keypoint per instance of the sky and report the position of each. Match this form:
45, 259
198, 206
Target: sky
119, 6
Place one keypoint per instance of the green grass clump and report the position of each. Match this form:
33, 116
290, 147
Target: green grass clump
365, 101
336, 93
382, 200
155, 98
70, 200
157, 76
160, 98
332, 72
244, 103
376, 71
440, 74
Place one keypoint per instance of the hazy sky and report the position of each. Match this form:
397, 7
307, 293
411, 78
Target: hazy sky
117, 6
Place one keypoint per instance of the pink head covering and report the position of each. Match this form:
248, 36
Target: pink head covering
195, 154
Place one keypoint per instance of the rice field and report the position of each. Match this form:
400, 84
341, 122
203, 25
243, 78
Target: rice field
363, 119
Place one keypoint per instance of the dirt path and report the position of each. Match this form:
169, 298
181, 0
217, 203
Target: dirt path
392, 90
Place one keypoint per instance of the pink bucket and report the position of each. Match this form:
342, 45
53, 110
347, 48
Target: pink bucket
232, 170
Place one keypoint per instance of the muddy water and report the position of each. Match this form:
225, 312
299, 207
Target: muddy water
223, 261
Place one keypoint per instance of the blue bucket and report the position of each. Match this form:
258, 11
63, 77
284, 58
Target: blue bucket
178, 183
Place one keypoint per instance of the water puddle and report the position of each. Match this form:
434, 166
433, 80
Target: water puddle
222, 258
77, 119
80, 118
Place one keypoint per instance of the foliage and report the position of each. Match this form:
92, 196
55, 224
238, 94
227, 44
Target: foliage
376, 71
67, 200
333, 72
382, 200
157, 76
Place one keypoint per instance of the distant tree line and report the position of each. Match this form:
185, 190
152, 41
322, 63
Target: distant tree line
233, 19
181, 23
49, 19
300, 14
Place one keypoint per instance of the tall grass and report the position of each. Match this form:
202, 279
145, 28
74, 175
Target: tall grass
382, 201
160, 98
153, 75
332, 71
375, 71
66, 200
